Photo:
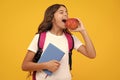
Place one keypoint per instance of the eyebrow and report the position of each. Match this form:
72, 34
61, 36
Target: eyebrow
63, 10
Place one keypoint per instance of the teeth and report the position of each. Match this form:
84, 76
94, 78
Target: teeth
64, 20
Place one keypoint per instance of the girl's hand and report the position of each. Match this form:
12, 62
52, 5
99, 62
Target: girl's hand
52, 65
80, 26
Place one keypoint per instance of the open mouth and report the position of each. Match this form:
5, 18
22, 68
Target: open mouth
64, 20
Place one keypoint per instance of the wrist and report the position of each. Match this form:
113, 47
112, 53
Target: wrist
82, 31
43, 65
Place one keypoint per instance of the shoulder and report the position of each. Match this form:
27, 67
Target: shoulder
73, 36
36, 36
75, 39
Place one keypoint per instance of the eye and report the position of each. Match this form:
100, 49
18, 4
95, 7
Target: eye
61, 12
66, 12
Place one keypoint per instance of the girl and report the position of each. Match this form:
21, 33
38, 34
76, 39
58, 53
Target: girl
55, 29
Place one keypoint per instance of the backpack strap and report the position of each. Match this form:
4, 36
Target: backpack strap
70, 41
42, 39
34, 75
71, 46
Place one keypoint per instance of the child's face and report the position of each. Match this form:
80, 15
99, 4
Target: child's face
60, 15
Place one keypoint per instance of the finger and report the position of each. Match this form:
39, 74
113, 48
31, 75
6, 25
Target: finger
56, 61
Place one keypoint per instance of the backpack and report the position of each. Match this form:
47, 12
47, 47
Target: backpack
41, 41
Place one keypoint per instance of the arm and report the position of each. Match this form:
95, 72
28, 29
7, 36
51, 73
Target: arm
87, 49
29, 65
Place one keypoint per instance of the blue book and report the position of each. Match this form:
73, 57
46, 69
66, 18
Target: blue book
51, 53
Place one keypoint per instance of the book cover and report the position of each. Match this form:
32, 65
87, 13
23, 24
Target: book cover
51, 53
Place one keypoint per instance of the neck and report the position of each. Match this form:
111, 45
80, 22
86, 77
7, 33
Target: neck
56, 31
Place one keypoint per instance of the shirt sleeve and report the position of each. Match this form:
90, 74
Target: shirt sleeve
77, 42
34, 44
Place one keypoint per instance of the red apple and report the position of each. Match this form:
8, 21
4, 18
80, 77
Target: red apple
72, 23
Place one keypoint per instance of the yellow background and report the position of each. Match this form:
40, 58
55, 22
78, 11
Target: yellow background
19, 20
